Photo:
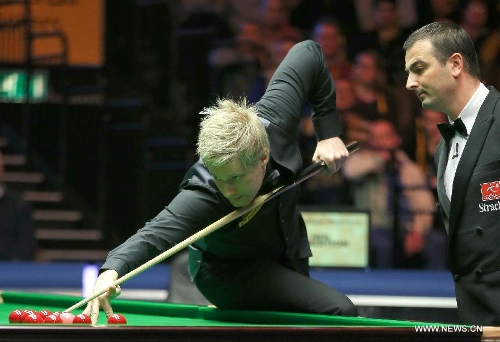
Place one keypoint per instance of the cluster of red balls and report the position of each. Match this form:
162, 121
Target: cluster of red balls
46, 316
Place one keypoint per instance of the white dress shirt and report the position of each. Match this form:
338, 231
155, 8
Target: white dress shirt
457, 143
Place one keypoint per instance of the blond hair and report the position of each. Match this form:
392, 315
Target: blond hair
231, 130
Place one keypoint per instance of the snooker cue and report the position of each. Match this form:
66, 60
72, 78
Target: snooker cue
259, 200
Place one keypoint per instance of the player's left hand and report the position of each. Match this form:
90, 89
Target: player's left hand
104, 281
332, 152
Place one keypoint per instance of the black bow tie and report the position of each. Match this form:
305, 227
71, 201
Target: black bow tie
448, 130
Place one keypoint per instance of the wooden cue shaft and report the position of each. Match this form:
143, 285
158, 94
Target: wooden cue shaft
307, 173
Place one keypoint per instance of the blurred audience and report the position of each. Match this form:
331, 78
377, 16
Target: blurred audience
475, 20
235, 67
374, 100
355, 128
438, 10
386, 37
385, 181
235, 12
428, 137
276, 55
490, 59
406, 12
18, 242
328, 33
247, 64
275, 23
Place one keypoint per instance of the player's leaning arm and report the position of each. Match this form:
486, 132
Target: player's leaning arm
259, 261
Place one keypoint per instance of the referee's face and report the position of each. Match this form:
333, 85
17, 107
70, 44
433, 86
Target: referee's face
238, 184
433, 83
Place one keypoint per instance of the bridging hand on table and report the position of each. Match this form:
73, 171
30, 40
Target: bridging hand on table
105, 280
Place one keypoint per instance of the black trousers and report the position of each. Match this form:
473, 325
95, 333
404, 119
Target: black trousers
269, 286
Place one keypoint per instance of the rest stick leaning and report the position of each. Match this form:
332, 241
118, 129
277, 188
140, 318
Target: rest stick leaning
305, 174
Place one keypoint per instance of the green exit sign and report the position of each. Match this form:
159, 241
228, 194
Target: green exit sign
13, 85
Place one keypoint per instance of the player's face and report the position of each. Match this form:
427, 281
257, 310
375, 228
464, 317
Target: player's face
432, 82
238, 184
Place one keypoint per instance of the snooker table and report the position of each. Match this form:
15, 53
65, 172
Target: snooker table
158, 321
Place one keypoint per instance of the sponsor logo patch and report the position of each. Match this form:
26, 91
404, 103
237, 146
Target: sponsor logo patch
490, 191
249, 216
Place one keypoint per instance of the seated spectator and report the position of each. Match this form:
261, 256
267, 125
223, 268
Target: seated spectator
374, 99
17, 229
385, 181
328, 33
275, 23
305, 13
407, 13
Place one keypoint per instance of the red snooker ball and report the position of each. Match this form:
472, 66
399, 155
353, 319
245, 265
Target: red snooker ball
33, 317
16, 316
82, 318
52, 319
45, 313
26, 312
117, 319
